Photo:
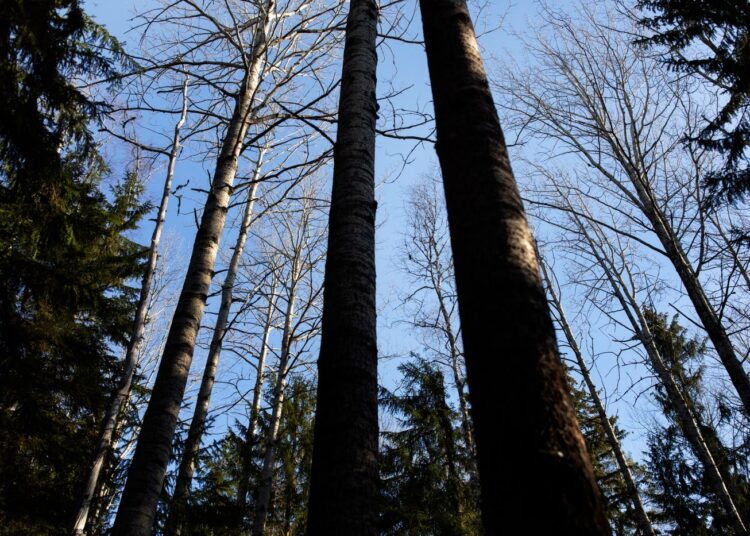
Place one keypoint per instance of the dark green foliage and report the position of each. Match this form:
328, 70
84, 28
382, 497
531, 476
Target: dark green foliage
686, 504
711, 38
65, 263
427, 485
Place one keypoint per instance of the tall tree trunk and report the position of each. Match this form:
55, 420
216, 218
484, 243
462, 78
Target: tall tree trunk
644, 523
130, 361
707, 314
344, 480
137, 510
685, 416
532, 459
263, 498
200, 414
252, 427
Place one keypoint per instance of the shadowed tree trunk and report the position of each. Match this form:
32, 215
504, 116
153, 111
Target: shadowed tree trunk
137, 510
130, 361
344, 480
198, 423
533, 464
644, 523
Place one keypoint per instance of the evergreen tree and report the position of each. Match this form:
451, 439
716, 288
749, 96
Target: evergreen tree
711, 39
677, 482
65, 261
427, 485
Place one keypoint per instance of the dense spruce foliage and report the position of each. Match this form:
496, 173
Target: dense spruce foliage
711, 39
66, 262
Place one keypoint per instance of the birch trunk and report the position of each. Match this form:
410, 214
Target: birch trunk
263, 498
137, 510
524, 427
344, 480
686, 419
644, 523
130, 361
252, 427
200, 414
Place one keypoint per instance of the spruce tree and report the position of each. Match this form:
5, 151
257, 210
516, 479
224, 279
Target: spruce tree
427, 480
711, 39
65, 260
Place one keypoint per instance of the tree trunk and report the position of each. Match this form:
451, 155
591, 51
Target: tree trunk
532, 459
137, 510
252, 427
685, 416
644, 523
344, 480
263, 497
130, 362
710, 320
200, 414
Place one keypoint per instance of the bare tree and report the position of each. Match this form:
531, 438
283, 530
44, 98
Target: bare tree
601, 97
200, 413
525, 427
616, 273
297, 239
344, 481
130, 361
252, 427
146, 475
426, 258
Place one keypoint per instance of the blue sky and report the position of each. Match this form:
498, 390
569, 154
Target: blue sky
405, 65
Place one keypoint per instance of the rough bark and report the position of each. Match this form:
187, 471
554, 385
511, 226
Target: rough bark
137, 510
677, 399
529, 446
644, 523
130, 361
263, 498
344, 480
252, 426
200, 414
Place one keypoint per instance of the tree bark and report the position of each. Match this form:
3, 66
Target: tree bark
685, 416
137, 510
344, 480
531, 454
130, 361
200, 414
644, 523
